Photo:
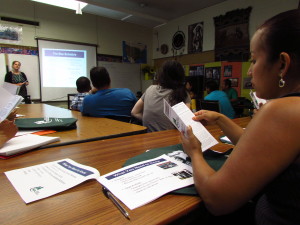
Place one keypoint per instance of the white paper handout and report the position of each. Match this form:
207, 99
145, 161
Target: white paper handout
140, 183
8, 103
181, 116
43, 180
256, 100
11, 88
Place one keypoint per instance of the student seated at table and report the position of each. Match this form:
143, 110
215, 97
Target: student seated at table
215, 94
230, 91
150, 107
265, 162
107, 101
83, 85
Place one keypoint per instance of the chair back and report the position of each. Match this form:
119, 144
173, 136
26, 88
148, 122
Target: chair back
70, 98
210, 105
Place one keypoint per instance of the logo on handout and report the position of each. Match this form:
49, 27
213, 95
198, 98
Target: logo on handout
36, 189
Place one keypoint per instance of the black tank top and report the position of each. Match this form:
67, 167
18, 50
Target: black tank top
280, 203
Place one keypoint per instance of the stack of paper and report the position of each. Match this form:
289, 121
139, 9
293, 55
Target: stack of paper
8, 102
25, 143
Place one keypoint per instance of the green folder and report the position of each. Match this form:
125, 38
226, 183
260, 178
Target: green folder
46, 123
214, 159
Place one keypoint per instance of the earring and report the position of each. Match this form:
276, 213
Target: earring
281, 82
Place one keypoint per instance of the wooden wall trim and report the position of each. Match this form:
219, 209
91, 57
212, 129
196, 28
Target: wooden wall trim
189, 59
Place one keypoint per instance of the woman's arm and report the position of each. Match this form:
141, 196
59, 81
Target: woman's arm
268, 146
137, 110
230, 129
26, 82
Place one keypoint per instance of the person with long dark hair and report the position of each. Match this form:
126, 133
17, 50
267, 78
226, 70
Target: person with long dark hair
171, 86
265, 162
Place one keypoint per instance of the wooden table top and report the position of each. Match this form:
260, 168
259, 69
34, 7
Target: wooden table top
85, 203
88, 128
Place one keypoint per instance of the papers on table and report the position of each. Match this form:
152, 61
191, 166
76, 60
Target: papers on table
25, 143
8, 103
181, 116
43, 180
140, 183
135, 185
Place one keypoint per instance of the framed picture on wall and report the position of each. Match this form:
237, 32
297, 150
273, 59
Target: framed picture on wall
208, 73
228, 71
247, 83
196, 70
234, 82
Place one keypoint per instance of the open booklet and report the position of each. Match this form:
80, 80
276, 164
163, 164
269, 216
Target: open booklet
8, 102
43, 180
181, 116
140, 183
135, 185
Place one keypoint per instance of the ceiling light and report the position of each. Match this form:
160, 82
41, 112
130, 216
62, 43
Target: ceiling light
126, 17
69, 4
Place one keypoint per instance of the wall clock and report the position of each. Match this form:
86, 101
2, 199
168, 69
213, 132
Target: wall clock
164, 49
178, 40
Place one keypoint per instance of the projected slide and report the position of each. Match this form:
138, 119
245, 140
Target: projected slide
62, 67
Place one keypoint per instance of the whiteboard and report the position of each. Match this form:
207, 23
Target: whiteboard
29, 66
124, 75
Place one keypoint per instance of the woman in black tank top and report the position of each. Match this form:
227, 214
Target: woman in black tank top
265, 162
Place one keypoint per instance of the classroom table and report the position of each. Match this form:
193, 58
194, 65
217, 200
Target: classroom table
85, 203
88, 128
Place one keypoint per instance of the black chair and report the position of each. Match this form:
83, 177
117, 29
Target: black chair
70, 97
210, 105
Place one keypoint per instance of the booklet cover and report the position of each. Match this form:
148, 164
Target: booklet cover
181, 116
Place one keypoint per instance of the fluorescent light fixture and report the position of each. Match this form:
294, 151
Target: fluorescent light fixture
69, 4
126, 17
160, 25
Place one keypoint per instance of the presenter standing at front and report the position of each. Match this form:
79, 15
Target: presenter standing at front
15, 76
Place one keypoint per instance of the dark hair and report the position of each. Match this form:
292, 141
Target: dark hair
281, 33
83, 84
227, 82
15, 62
171, 76
212, 85
99, 77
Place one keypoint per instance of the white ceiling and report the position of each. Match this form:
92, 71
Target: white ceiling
148, 13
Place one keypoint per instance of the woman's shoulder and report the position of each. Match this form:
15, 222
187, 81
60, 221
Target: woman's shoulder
282, 108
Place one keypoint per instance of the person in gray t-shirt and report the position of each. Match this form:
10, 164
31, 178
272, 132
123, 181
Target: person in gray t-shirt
150, 108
